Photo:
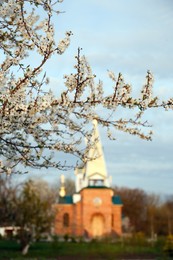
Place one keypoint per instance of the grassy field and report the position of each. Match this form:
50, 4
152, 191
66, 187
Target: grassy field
91, 250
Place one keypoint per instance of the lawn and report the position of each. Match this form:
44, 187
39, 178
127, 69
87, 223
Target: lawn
92, 250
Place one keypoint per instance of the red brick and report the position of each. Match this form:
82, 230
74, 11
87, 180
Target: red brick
88, 218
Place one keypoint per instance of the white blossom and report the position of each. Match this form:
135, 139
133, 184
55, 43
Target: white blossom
111, 75
64, 43
33, 121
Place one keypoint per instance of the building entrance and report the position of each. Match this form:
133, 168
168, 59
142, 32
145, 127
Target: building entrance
97, 225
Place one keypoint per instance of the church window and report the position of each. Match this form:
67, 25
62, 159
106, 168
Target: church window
66, 220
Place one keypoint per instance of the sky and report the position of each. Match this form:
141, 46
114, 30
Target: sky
130, 37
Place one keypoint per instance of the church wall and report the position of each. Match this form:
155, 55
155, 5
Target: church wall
117, 219
62, 228
77, 214
92, 207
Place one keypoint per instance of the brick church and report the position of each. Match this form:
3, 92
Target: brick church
93, 211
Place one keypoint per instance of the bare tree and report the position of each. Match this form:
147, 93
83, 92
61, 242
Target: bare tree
153, 204
134, 206
168, 209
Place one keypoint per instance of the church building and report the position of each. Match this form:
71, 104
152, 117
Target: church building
93, 211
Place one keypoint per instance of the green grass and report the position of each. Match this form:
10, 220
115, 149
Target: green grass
92, 250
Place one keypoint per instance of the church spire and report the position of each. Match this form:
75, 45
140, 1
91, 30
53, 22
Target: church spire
94, 173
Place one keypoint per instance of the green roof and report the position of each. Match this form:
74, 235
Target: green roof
96, 187
66, 200
69, 199
116, 200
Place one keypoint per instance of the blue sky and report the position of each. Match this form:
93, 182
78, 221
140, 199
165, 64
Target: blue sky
128, 37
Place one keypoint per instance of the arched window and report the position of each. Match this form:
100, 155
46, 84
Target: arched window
66, 220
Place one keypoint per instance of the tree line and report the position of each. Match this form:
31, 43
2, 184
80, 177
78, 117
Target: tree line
147, 213
29, 205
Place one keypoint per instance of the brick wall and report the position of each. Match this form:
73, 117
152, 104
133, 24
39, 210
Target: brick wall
94, 215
